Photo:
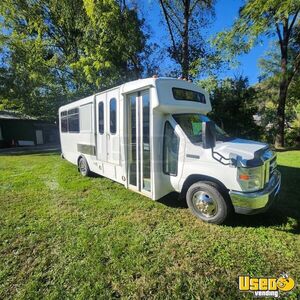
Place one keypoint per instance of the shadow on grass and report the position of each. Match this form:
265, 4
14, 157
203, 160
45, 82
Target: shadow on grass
286, 206
288, 149
273, 217
173, 200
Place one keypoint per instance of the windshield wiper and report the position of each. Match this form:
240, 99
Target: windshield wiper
225, 138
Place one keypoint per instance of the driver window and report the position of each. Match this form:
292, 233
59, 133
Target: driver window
170, 150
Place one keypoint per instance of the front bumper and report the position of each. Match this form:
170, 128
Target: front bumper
257, 202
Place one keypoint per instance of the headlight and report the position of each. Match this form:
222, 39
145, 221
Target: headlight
250, 179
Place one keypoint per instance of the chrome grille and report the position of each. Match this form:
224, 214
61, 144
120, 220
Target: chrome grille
273, 165
269, 166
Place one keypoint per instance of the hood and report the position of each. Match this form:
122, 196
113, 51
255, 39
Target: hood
247, 149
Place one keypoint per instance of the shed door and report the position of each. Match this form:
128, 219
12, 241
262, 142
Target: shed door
39, 137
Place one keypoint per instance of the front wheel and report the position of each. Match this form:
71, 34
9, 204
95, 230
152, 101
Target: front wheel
207, 203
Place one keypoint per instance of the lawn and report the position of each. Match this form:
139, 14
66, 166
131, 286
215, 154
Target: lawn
65, 236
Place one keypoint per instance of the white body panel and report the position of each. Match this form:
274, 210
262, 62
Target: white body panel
124, 155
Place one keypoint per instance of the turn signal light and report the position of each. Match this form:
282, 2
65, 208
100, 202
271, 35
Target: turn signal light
244, 177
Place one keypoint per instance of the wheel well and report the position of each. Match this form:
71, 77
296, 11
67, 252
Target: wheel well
195, 178
79, 159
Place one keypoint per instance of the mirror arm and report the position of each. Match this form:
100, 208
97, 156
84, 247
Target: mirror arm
213, 153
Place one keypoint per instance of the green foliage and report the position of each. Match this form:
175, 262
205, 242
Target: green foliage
271, 17
57, 51
268, 97
233, 106
256, 18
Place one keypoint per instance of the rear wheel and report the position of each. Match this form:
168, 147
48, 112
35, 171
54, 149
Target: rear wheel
207, 202
83, 167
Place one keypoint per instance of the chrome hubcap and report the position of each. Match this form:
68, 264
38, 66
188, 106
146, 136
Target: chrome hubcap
82, 166
205, 204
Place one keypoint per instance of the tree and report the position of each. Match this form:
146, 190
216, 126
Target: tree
267, 89
233, 105
184, 20
57, 51
278, 18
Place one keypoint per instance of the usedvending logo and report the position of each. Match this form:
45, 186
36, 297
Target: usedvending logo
266, 286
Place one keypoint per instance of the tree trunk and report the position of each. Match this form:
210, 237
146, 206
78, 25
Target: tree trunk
279, 139
185, 41
283, 88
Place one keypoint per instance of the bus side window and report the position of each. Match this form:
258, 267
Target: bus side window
64, 121
101, 117
113, 115
73, 120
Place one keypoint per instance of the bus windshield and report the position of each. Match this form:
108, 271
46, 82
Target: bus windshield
191, 124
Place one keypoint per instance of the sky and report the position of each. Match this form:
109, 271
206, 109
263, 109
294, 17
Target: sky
226, 13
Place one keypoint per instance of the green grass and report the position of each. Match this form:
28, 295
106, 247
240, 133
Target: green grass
65, 236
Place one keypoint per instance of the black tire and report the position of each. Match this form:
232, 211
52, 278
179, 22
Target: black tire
208, 203
83, 167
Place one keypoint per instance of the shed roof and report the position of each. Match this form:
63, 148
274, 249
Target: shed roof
9, 114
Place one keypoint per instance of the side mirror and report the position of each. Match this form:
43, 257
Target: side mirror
208, 134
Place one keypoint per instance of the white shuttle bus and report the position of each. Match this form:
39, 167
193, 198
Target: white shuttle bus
153, 136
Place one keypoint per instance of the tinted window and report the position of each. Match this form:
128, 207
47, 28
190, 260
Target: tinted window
188, 95
101, 117
132, 149
113, 115
73, 120
73, 111
73, 123
191, 124
64, 121
146, 143
171, 149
